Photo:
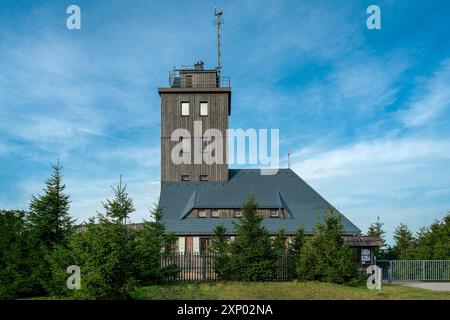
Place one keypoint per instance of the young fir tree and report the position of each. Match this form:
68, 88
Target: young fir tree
152, 242
325, 256
404, 242
120, 208
21, 257
105, 252
376, 230
49, 216
252, 254
433, 242
298, 241
220, 248
279, 243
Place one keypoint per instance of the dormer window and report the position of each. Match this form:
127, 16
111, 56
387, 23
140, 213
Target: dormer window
215, 213
203, 109
274, 213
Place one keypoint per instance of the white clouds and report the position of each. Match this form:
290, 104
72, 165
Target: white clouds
431, 99
371, 155
400, 180
368, 83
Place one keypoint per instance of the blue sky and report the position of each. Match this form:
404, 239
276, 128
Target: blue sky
365, 113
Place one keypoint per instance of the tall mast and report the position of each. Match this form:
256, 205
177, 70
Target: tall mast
218, 22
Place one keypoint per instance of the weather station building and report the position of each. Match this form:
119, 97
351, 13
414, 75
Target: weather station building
197, 197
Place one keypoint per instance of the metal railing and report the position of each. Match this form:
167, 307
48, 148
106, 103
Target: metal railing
196, 267
186, 82
415, 270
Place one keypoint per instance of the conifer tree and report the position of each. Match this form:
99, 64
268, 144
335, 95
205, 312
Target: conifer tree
120, 208
298, 241
404, 242
152, 242
325, 256
252, 254
220, 248
279, 242
106, 251
49, 215
376, 230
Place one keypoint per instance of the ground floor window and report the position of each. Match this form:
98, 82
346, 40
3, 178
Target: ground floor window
365, 255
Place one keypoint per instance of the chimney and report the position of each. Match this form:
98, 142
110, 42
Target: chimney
199, 65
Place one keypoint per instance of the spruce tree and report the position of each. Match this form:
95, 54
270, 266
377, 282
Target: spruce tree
152, 242
404, 242
376, 230
325, 256
298, 241
106, 251
433, 242
49, 215
120, 208
252, 254
279, 244
220, 248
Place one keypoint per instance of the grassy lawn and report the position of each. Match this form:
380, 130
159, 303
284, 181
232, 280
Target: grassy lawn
283, 290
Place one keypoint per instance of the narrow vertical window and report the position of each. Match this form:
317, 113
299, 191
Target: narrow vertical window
181, 245
185, 109
203, 108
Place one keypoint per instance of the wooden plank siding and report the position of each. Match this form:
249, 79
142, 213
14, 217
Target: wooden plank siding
171, 119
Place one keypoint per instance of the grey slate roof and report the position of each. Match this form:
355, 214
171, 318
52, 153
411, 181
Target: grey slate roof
282, 190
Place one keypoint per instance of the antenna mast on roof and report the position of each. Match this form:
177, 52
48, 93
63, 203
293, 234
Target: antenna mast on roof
289, 157
219, 21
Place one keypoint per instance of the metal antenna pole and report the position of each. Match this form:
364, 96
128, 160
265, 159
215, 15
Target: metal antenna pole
289, 157
218, 22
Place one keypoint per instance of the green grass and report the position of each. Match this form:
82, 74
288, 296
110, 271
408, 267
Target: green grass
282, 290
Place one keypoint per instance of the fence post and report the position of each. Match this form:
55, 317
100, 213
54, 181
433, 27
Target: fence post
390, 272
423, 270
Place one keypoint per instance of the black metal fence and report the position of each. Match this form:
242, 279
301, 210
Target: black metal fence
200, 267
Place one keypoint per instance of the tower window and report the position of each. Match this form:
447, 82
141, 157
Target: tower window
237, 213
203, 108
203, 177
205, 142
185, 177
202, 213
185, 109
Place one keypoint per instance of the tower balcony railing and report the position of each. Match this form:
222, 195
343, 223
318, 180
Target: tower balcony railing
197, 79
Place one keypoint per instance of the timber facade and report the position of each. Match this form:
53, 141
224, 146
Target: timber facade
197, 197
